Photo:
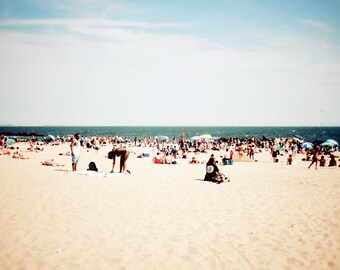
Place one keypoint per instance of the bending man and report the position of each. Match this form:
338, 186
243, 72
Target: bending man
123, 154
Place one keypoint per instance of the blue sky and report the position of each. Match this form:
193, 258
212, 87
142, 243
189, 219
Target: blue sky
169, 62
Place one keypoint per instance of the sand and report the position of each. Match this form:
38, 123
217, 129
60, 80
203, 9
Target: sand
269, 216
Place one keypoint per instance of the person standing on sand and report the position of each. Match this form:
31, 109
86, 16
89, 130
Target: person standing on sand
315, 159
240, 152
123, 154
75, 151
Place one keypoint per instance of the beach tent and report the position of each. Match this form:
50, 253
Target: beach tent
51, 137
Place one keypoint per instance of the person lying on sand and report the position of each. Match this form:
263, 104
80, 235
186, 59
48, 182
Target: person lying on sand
68, 153
19, 156
6, 152
52, 163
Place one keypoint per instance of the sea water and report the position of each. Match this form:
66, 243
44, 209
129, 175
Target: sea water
308, 133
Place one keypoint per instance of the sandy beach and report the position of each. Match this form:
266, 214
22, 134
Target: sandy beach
269, 216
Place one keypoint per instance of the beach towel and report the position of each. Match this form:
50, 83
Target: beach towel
101, 174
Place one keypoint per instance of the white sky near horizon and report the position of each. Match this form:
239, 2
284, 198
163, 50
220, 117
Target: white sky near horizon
214, 63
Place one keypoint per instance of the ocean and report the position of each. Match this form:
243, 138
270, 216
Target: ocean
308, 133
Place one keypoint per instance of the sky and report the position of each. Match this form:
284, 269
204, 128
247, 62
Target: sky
170, 63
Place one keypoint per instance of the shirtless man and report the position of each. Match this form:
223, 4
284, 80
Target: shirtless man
123, 154
52, 163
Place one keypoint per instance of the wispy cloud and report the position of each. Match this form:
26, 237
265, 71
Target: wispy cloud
88, 22
318, 25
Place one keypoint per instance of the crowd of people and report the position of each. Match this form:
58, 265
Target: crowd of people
169, 152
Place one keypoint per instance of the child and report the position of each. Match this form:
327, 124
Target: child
289, 160
322, 161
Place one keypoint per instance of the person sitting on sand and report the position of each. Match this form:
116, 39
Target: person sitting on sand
168, 159
194, 161
226, 160
322, 161
332, 161
212, 172
52, 163
289, 160
158, 159
92, 167
34, 149
31, 148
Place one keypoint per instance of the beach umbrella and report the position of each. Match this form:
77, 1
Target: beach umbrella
332, 141
307, 145
327, 143
205, 137
10, 142
298, 138
51, 137
194, 138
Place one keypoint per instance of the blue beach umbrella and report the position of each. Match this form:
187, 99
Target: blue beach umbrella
307, 145
10, 142
194, 138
